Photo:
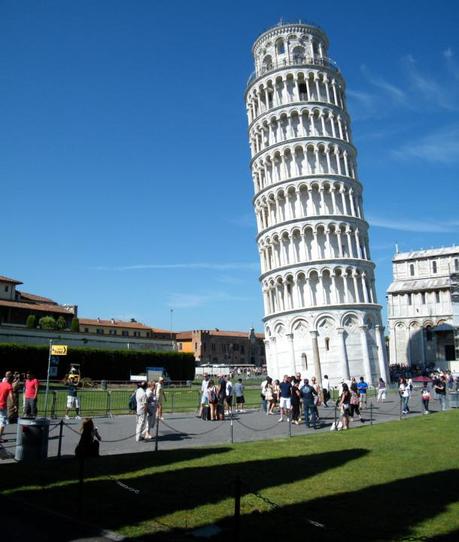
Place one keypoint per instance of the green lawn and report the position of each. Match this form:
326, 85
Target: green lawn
387, 482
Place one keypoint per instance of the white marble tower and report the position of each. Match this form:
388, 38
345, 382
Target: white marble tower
321, 314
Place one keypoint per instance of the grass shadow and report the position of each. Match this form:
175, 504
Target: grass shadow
113, 506
385, 512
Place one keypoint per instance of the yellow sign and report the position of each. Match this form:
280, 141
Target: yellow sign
59, 349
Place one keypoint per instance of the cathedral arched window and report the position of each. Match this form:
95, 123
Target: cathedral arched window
434, 267
411, 270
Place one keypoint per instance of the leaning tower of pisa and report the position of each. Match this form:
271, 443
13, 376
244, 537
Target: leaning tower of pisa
321, 313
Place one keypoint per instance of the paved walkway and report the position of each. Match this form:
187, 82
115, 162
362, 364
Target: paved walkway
185, 430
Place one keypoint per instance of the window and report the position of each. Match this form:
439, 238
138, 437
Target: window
434, 267
327, 343
428, 333
280, 47
125, 333
195, 347
179, 346
86, 330
456, 264
212, 347
411, 270
6, 288
242, 349
113, 332
304, 360
99, 331
298, 55
136, 333
410, 300
437, 297
302, 91
423, 298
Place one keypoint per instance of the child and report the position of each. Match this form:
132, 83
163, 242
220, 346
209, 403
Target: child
89, 440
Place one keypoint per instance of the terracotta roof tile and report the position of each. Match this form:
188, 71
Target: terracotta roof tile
11, 281
33, 297
41, 307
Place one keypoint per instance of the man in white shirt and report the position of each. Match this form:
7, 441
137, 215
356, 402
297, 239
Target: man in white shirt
204, 399
141, 418
264, 402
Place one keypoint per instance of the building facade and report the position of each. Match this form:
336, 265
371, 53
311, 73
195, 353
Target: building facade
16, 306
423, 307
223, 347
317, 277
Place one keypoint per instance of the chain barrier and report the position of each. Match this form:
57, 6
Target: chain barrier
275, 506
54, 427
254, 428
192, 434
123, 485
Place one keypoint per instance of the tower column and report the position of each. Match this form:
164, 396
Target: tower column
365, 355
316, 355
343, 354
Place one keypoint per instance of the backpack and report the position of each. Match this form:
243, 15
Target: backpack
132, 403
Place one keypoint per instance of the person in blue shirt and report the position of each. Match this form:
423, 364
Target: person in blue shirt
285, 398
362, 387
308, 394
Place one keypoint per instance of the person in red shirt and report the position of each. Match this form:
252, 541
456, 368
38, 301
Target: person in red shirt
6, 393
31, 393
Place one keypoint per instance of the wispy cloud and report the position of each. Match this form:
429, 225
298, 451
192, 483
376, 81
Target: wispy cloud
442, 95
451, 63
413, 225
394, 92
441, 147
192, 300
223, 266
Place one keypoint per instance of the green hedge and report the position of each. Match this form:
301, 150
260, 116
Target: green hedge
96, 363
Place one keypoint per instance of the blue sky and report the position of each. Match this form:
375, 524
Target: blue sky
124, 156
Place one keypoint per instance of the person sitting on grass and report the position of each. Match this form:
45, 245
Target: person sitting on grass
89, 440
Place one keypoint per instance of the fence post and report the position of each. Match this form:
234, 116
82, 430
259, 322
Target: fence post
108, 408
232, 427
172, 402
59, 446
371, 413
156, 432
53, 405
290, 424
237, 508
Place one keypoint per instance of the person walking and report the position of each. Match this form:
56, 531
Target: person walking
6, 395
317, 397
425, 398
326, 390
89, 440
264, 402
405, 394
160, 398
141, 418
269, 394
381, 391
308, 394
150, 393
212, 397
204, 400
239, 391
362, 386
440, 390
285, 398
229, 395
345, 406
31, 387
355, 404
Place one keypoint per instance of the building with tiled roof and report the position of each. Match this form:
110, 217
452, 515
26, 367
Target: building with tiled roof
122, 328
223, 347
16, 306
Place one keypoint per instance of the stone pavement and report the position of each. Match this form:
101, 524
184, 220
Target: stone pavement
186, 429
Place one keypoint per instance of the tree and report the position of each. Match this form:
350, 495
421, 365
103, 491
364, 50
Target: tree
31, 321
47, 322
61, 323
75, 325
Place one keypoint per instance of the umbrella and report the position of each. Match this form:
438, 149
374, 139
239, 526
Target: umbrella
422, 379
